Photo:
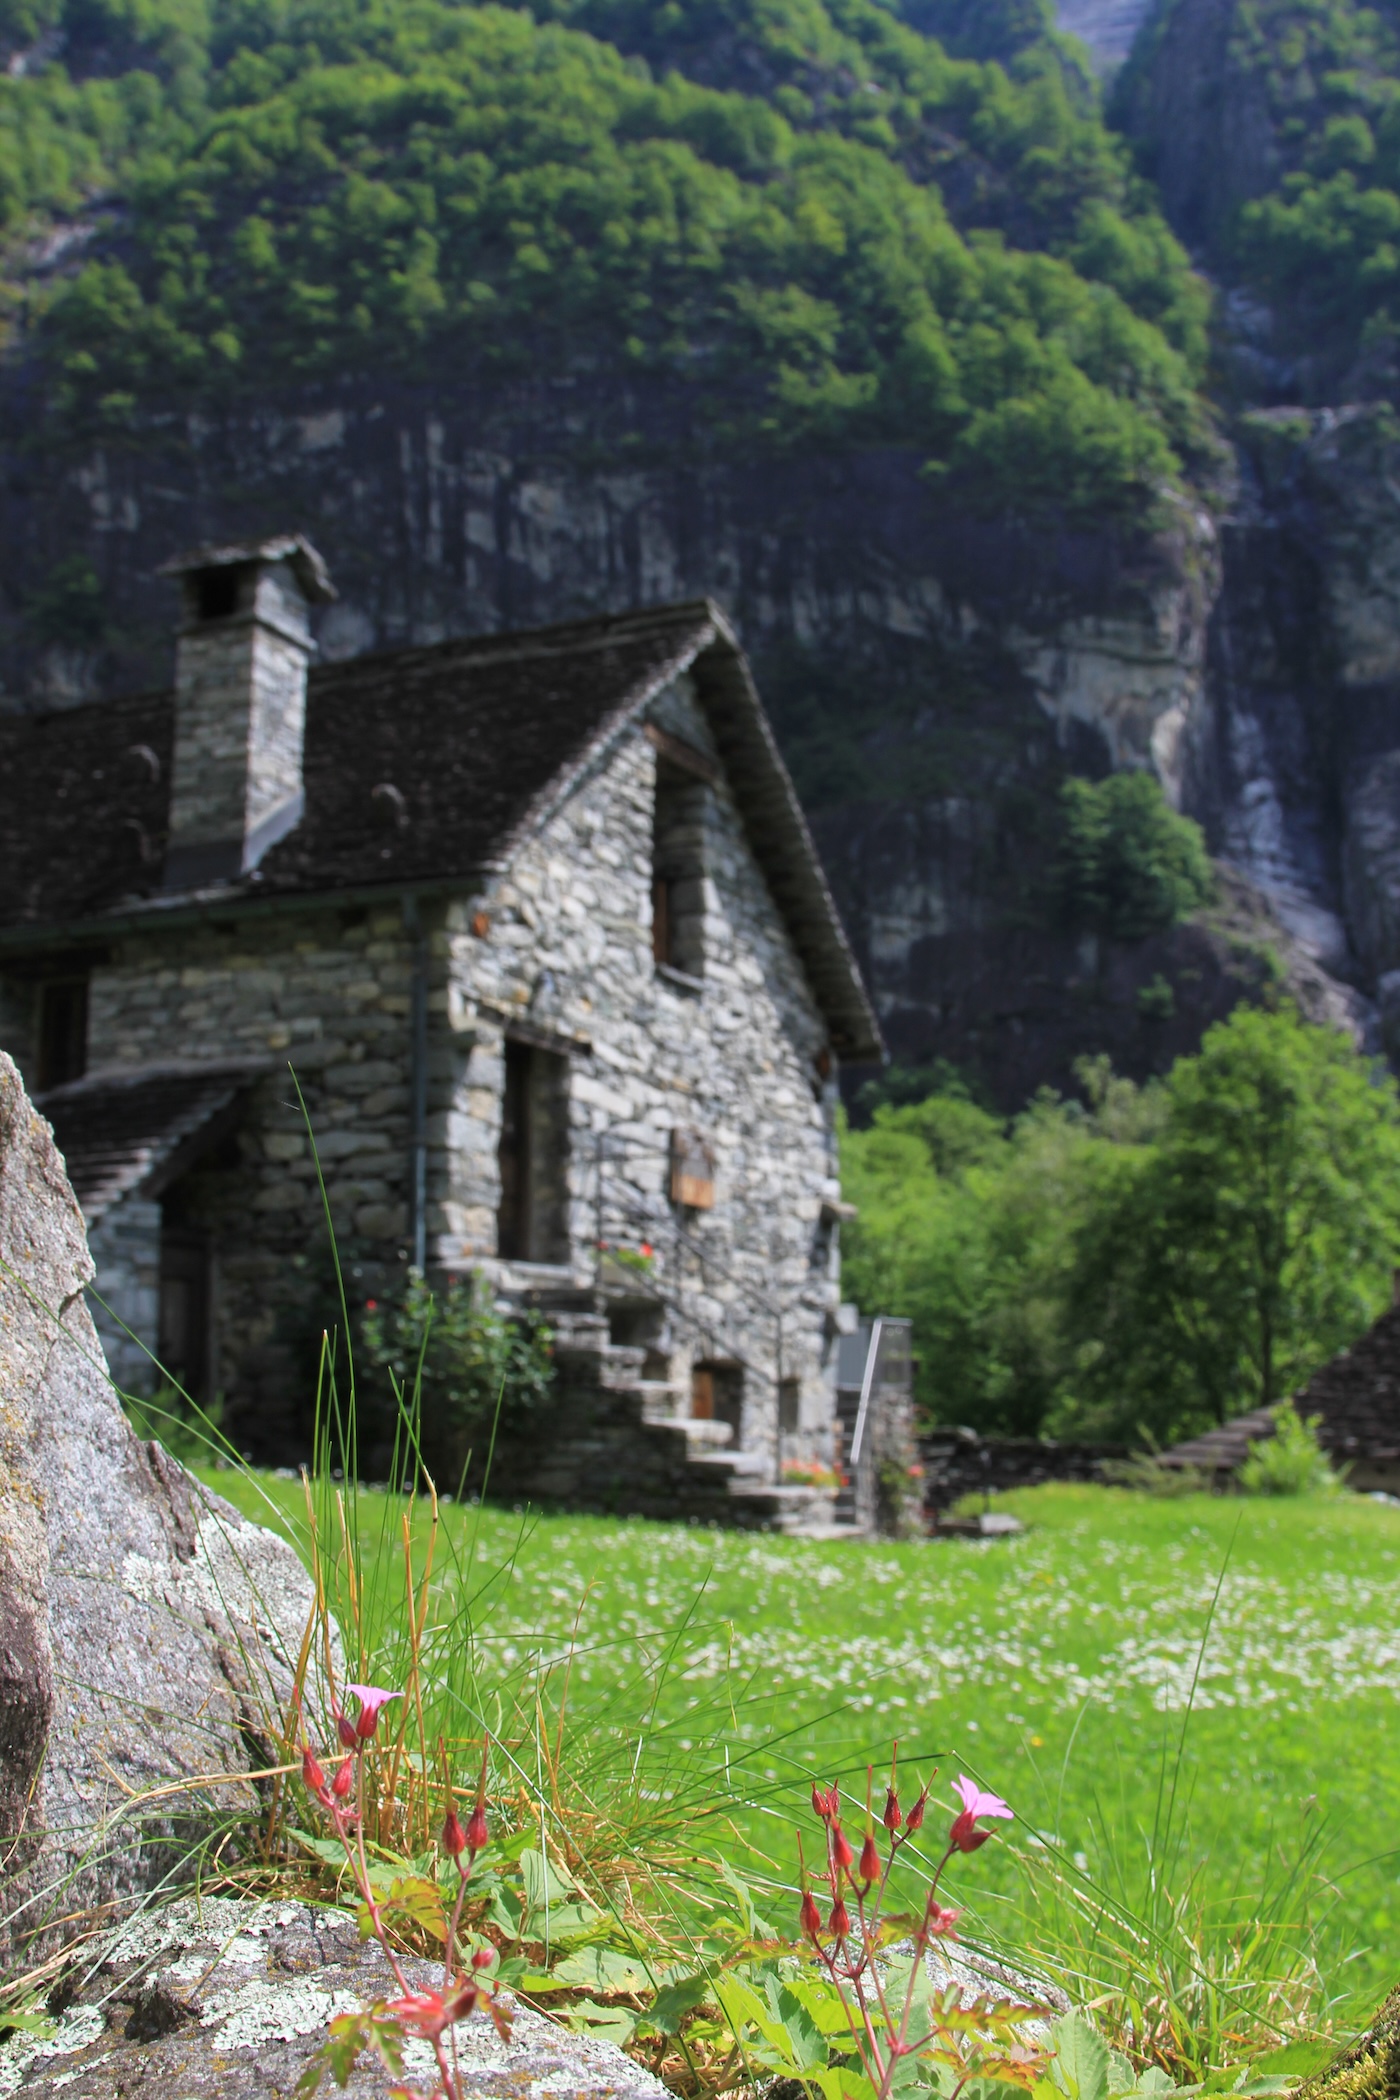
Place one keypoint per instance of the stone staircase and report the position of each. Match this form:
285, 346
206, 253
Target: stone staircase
619, 1441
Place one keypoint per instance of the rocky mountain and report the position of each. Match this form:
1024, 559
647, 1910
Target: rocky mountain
868, 327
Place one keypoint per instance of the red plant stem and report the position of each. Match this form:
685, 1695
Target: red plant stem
359, 1868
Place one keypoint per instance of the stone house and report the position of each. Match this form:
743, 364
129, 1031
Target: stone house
528, 933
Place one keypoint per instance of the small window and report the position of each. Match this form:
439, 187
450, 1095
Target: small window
789, 1405
532, 1223
678, 871
63, 1031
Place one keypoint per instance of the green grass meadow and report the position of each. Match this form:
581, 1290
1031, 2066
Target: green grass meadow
1191, 1705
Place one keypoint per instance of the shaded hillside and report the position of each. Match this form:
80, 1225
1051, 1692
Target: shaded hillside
1273, 133
865, 323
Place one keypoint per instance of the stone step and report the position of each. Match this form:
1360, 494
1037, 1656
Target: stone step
802, 1512
728, 1463
711, 1433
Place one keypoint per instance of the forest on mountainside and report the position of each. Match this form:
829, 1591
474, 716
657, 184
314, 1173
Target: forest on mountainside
814, 218
1287, 171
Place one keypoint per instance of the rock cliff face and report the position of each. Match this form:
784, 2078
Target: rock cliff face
1298, 777
1199, 113
933, 676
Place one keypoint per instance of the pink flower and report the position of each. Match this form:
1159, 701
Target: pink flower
941, 1923
964, 1835
371, 1698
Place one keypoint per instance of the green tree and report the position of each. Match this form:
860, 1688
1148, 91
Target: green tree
967, 1226
1129, 864
1221, 1265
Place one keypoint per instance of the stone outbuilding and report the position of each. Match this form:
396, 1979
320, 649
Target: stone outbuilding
512, 954
1355, 1399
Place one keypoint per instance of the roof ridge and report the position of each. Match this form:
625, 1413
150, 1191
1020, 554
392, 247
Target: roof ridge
519, 643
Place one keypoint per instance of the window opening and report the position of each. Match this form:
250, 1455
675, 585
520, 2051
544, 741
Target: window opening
63, 1031
532, 1223
678, 871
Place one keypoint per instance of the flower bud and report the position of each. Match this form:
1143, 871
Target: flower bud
311, 1772
941, 1923
345, 1729
916, 1814
842, 1857
964, 1835
811, 1916
344, 1779
824, 1801
454, 1838
839, 1922
892, 1817
484, 1956
869, 1859
477, 1837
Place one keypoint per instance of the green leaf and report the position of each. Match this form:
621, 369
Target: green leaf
603, 1969
28, 2023
542, 1884
842, 2082
615, 2023
1293, 2060
386, 2039
1081, 2058
674, 2000
1122, 2078
345, 2039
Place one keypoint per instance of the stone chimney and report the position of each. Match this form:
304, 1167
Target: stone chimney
240, 704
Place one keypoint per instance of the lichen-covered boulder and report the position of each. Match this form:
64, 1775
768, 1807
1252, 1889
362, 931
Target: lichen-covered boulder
222, 1999
147, 1632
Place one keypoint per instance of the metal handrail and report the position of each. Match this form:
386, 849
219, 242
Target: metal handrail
867, 1386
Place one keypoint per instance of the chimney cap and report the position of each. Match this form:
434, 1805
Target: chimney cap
292, 547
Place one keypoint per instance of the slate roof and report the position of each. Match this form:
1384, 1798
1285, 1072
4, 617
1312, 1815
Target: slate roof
469, 743
1357, 1396
140, 1127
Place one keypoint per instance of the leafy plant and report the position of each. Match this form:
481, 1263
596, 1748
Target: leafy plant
432, 2016
478, 1372
1145, 1472
878, 2003
1291, 1461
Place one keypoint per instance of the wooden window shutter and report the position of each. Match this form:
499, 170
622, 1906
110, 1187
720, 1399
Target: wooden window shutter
692, 1170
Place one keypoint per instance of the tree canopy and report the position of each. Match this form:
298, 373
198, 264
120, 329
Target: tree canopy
1151, 1259
838, 234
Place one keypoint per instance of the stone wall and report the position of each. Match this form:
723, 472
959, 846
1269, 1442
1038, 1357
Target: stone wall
322, 995
730, 1054
125, 1248
959, 1462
